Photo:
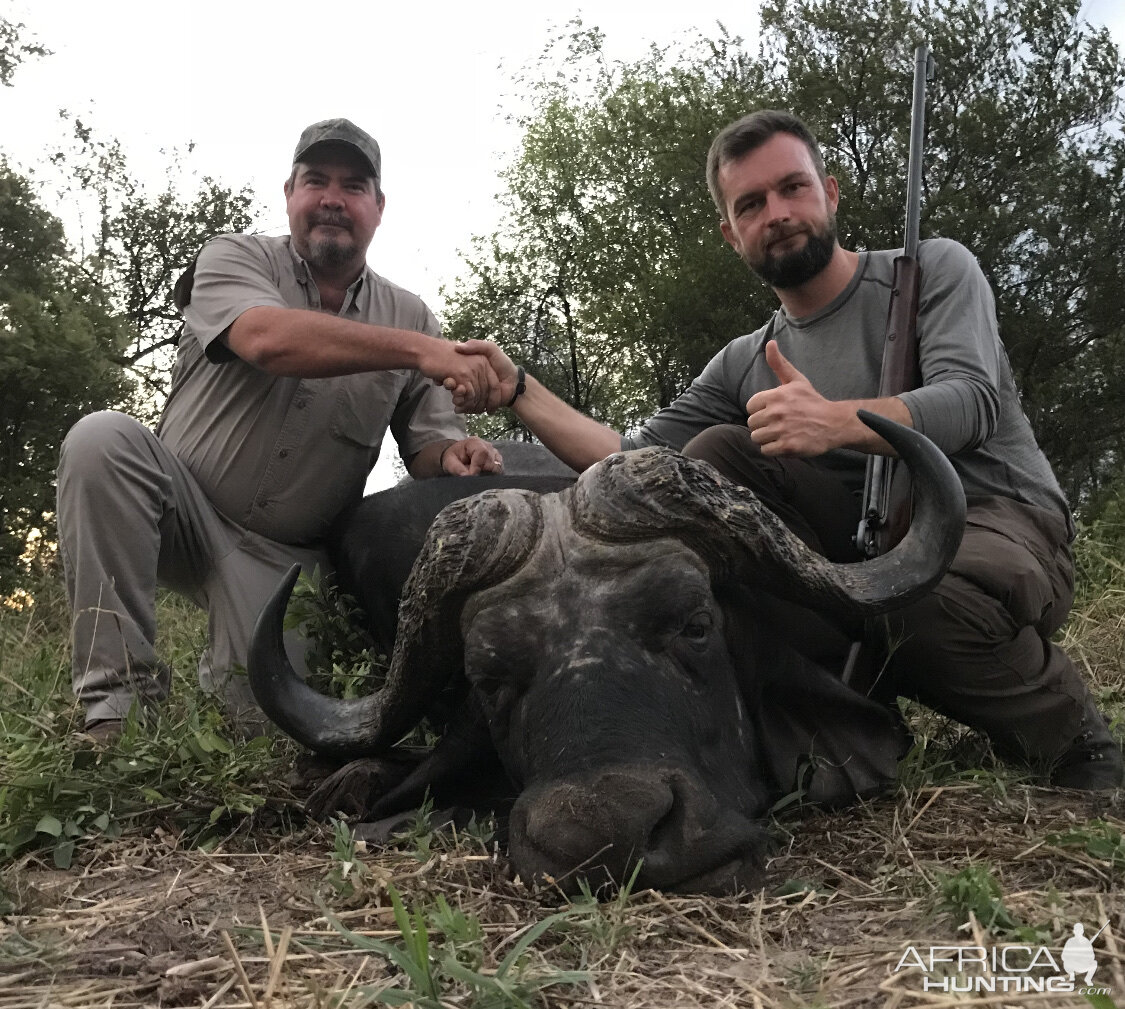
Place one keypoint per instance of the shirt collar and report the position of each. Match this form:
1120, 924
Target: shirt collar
358, 292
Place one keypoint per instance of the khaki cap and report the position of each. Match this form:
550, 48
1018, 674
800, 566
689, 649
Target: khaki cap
341, 131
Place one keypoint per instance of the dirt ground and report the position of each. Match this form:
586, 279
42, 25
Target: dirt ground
145, 922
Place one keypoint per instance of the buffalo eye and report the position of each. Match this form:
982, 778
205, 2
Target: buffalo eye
698, 627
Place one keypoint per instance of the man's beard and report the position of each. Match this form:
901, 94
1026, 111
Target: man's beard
335, 250
329, 254
792, 269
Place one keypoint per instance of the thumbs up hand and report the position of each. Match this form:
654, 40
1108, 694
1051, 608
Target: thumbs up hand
793, 419
781, 366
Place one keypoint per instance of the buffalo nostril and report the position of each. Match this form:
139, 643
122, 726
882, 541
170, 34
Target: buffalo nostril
668, 831
605, 821
600, 827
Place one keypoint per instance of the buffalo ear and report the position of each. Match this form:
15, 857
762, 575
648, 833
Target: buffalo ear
821, 741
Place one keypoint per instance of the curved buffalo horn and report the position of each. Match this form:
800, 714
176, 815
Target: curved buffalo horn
475, 543
655, 492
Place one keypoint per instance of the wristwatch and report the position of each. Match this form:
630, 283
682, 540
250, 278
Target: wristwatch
521, 386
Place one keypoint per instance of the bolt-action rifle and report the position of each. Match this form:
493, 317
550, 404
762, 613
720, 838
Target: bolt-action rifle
886, 492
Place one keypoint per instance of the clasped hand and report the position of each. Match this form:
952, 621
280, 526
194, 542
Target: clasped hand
499, 370
478, 374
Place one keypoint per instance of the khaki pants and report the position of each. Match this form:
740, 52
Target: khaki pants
130, 517
977, 647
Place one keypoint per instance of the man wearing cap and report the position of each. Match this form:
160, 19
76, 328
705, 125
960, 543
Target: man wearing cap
295, 359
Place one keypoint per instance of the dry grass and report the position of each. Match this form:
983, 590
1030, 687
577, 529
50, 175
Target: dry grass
146, 920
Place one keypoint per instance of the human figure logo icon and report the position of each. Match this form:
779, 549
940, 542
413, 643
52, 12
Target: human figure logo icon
1078, 954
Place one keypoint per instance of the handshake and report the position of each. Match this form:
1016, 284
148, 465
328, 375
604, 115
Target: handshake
480, 376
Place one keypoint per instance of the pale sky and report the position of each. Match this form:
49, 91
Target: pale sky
431, 81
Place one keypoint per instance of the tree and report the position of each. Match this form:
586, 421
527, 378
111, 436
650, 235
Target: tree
14, 50
610, 246
608, 276
77, 332
1024, 165
140, 244
58, 339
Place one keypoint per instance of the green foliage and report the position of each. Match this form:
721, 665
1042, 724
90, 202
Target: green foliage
56, 792
1098, 839
58, 341
1025, 165
462, 932
944, 752
347, 875
806, 975
975, 890
14, 49
423, 836
608, 277
599, 922
1099, 550
78, 331
140, 243
419, 835
434, 972
341, 658
799, 887
180, 768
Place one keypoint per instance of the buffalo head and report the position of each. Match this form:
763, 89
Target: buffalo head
616, 657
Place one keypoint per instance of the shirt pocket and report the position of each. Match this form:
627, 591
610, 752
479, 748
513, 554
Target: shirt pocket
363, 407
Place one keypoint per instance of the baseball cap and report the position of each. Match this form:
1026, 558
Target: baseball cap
340, 131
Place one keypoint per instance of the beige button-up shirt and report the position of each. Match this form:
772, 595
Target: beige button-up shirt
283, 456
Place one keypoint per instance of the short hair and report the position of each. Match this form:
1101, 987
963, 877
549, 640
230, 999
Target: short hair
748, 134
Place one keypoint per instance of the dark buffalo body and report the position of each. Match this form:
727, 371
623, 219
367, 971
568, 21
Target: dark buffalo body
614, 645
375, 544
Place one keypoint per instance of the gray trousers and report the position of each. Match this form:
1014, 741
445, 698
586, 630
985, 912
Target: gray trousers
130, 517
977, 647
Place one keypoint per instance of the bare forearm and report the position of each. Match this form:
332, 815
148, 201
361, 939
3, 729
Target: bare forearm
575, 438
306, 344
857, 435
426, 462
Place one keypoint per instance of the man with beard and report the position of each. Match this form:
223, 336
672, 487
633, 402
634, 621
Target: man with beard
294, 360
776, 411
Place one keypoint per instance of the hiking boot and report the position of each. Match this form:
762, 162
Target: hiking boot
104, 731
1093, 761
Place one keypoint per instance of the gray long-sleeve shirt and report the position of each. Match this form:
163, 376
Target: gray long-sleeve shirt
968, 404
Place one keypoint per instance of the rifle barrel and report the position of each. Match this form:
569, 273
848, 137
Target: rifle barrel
923, 72
900, 363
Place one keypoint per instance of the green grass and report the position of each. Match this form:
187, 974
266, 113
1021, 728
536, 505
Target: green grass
1097, 839
182, 769
441, 955
931, 847
976, 891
